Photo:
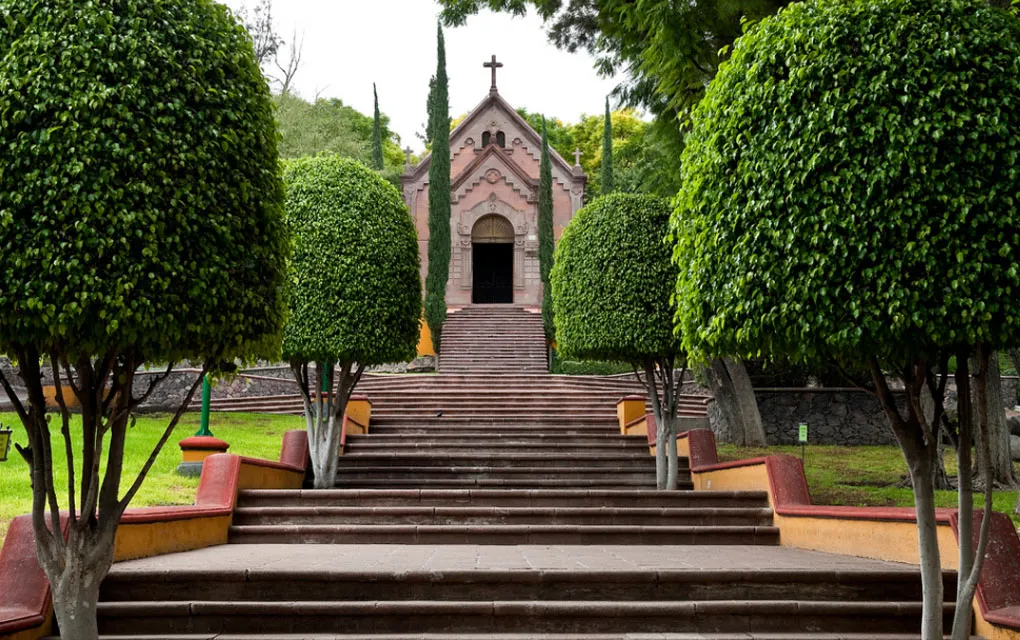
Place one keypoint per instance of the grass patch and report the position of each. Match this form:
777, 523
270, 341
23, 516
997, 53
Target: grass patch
864, 476
587, 367
257, 436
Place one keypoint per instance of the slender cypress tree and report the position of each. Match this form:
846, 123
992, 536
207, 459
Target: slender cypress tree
545, 233
377, 158
608, 185
439, 200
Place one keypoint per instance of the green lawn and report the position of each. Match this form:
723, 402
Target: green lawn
258, 436
863, 476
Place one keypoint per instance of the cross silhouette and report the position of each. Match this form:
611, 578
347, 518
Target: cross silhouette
408, 151
493, 65
577, 157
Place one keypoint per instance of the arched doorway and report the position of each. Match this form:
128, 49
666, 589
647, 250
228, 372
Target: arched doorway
492, 261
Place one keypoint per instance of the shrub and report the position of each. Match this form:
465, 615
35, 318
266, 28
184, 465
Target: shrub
611, 286
355, 294
849, 194
141, 222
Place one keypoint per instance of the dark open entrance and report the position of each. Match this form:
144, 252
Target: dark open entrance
492, 261
493, 269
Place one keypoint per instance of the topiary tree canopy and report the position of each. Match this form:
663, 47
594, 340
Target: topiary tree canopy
850, 194
355, 294
611, 287
141, 222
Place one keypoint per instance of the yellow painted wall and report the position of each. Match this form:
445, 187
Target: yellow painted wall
256, 477
425, 347
158, 538
361, 412
628, 411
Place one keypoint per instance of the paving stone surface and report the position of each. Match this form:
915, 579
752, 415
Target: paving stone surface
369, 558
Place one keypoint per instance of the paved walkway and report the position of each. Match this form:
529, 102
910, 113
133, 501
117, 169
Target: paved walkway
368, 558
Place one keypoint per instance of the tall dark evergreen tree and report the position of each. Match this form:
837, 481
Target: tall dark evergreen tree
608, 186
377, 157
439, 200
545, 233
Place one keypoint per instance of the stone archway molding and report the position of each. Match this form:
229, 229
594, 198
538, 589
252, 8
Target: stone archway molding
466, 222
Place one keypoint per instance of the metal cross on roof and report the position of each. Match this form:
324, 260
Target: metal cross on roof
493, 65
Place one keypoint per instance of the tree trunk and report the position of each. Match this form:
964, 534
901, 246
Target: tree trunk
674, 460
1003, 475
75, 584
919, 451
734, 395
940, 478
661, 434
928, 545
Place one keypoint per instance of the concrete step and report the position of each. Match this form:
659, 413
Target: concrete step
302, 515
504, 498
516, 585
451, 482
516, 475
731, 616
401, 428
438, 445
508, 534
521, 636
547, 463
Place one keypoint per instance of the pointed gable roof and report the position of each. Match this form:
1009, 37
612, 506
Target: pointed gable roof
528, 185
494, 100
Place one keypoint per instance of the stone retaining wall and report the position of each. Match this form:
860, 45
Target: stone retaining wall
834, 416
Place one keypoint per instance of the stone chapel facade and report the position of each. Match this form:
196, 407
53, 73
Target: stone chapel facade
494, 180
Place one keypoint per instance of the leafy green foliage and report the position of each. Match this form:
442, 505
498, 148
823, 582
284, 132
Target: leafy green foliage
439, 199
850, 184
612, 281
328, 125
607, 152
670, 50
546, 242
355, 286
140, 198
377, 152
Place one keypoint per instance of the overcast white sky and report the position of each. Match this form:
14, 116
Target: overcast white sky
348, 44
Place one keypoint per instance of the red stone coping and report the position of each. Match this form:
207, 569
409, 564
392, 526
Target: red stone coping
23, 585
998, 592
203, 443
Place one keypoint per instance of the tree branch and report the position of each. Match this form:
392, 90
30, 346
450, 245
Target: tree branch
156, 381
65, 419
162, 441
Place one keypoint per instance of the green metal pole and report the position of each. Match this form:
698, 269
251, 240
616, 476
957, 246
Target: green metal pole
206, 393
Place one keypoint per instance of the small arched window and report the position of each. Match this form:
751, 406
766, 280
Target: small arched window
486, 139
501, 139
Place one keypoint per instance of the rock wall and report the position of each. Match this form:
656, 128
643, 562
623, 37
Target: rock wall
848, 417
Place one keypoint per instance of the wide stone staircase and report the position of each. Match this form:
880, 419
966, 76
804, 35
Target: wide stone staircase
493, 339
507, 528
506, 506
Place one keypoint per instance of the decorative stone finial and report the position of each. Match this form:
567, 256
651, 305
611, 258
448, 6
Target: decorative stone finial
407, 152
577, 157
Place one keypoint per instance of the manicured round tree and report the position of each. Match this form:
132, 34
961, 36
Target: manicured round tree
355, 294
141, 222
850, 194
611, 286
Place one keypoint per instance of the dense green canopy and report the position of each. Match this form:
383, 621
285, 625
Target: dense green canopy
850, 185
612, 281
140, 198
355, 286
